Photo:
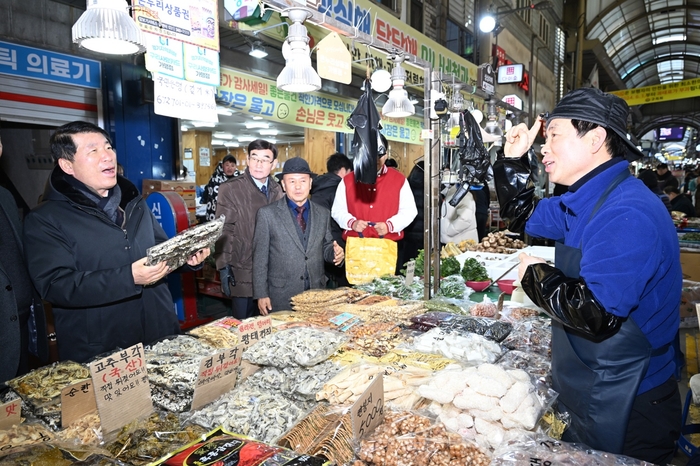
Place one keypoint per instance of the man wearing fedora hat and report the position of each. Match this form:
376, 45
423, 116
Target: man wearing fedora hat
614, 290
292, 240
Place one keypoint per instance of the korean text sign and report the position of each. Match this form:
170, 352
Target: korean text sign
194, 22
122, 391
217, 375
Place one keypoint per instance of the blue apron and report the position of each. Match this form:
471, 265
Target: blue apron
597, 381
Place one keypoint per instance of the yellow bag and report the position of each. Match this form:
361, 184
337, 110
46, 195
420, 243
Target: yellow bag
369, 258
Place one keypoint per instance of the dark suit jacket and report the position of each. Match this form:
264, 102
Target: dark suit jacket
279, 257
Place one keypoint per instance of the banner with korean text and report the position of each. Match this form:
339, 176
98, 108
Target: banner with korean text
259, 96
194, 22
661, 93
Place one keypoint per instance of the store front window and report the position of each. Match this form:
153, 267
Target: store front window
460, 41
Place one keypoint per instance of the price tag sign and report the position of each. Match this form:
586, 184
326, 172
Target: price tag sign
121, 387
77, 400
10, 414
251, 331
426, 134
410, 272
368, 411
216, 376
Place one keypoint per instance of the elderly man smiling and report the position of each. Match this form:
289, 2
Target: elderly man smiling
86, 251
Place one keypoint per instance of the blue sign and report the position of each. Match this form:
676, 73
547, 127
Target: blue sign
18, 60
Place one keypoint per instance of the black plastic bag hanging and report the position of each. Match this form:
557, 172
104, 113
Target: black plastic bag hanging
515, 188
366, 143
474, 162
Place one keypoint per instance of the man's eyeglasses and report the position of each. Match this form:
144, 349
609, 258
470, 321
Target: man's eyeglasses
259, 161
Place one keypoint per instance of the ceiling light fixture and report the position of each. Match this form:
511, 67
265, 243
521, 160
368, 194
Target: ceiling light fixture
224, 111
203, 124
231, 144
184, 128
257, 50
489, 21
398, 105
223, 135
269, 132
257, 125
246, 138
257, 118
298, 75
217, 142
105, 27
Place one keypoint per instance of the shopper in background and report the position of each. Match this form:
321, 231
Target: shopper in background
18, 297
377, 210
239, 200
664, 177
458, 223
86, 251
292, 241
614, 290
323, 193
679, 202
649, 179
225, 170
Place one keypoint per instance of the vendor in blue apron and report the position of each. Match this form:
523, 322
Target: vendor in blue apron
614, 290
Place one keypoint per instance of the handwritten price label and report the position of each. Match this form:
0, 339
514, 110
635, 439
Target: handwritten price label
10, 414
251, 331
410, 272
217, 375
368, 411
77, 400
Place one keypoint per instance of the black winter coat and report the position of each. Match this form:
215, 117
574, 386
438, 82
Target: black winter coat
80, 261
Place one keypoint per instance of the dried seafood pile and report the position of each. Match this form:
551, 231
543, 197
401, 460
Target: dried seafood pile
252, 411
325, 432
24, 434
303, 346
178, 249
296, 382
221, 333
375, 339
142, 442
390, 311
326, 299
173, 365
407, 438
52, 455
86, 431
41, 389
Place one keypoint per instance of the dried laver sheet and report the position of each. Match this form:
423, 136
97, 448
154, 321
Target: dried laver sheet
179, 248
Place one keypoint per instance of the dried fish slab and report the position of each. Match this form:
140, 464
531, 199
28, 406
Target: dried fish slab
181, 344
41, 388
302, 346
251, 411
221, 333
178, 249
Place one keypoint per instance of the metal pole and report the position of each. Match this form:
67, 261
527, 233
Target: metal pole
436, 84
580, 32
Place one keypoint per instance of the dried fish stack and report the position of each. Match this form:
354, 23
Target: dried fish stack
325, 299
41, 389
251, 411
302, 346
394, 311
178, 249
296, 382
325, 432
221, 333
173, 365
142, 442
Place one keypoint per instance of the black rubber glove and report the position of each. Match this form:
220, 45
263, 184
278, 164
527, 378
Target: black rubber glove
227, 280
569, 301
515, 189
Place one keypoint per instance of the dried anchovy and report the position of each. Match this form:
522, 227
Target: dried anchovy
177, 250
181, 344
300, 345
142, 442
299, 383
250, 411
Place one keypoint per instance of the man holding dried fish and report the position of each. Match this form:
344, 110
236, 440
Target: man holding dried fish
239, 200
292, 240
86, 251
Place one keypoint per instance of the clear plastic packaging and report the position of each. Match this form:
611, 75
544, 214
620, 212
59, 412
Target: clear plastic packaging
302, 346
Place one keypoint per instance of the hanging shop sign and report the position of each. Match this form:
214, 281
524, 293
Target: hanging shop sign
201, 65
487, 79
194, 22
164, 56
333, 60
514, 100
30, 62
183, 99
661, 93
259, 96
510, 74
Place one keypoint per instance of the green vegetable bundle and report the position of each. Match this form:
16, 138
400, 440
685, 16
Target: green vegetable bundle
473, 271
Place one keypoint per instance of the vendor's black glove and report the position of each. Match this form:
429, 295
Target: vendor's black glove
227, 280
569, 301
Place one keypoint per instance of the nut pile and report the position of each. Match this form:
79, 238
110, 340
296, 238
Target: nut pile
410, 439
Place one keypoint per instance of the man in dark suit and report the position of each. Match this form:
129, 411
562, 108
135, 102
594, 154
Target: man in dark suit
292, 241
17, 296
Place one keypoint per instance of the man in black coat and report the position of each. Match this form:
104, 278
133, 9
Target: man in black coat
17, 295
323, 194
86, 251
679, 202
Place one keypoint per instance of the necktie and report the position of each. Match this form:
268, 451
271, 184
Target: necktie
300, 218
263, 188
